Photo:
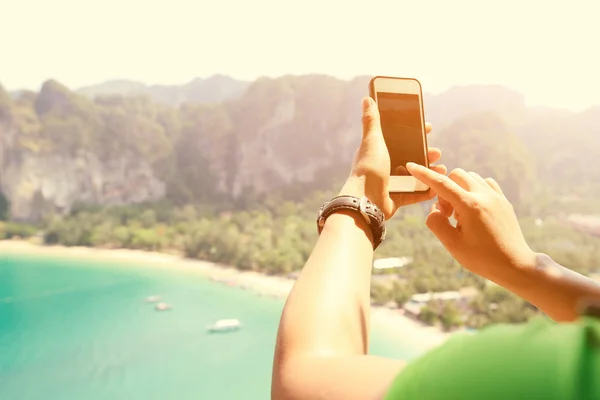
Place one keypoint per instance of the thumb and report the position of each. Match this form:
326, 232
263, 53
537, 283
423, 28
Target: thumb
370, 117
441, 227
401, 171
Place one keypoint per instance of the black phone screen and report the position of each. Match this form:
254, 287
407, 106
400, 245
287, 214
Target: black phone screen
402, 129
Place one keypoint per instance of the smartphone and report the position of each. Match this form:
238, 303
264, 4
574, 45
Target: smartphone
400, 102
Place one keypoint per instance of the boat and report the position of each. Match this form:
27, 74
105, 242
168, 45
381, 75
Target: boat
225, 325
162, 307
152, 299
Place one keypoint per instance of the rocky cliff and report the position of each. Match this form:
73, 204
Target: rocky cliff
43, 173
292, 135
37, 184
217, 88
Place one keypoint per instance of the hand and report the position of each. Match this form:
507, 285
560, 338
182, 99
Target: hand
371, 166
487, 239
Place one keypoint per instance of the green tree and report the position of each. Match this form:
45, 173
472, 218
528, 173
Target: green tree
428, 315
146, 239
450, 316
4, 207
402, 293
9, 230
148, 218
380, 294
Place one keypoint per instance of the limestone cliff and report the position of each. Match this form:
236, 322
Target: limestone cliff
37, 184
38, 177
307, 130
292, 134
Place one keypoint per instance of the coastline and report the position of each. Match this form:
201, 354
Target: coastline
390, 320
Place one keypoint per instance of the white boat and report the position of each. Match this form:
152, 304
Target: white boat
152, 299
225, 325
162, 307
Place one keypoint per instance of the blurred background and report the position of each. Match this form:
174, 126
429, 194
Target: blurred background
162, 163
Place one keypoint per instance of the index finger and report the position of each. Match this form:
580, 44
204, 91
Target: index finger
441, 184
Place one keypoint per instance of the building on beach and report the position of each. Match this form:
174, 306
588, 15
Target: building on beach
462, 297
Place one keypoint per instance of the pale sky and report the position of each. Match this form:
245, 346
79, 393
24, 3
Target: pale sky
548, 49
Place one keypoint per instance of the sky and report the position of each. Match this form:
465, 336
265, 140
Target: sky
544, 49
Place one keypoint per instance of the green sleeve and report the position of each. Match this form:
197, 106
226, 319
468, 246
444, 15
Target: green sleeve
536, 360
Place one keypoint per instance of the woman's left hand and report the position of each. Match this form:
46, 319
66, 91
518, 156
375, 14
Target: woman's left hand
371, 166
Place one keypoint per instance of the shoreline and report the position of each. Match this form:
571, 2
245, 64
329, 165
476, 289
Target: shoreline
390, 320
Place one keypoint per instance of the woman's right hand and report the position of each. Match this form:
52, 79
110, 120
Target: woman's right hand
487, 239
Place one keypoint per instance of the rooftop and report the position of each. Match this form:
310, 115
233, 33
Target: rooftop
393, 262
463, 293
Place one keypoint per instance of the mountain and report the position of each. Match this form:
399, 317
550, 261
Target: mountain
217, 88
285, 137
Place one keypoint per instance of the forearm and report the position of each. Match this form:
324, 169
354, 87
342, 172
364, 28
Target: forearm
554, 289
327, 312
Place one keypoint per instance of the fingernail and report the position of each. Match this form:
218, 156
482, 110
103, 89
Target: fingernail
412, 165
367, 103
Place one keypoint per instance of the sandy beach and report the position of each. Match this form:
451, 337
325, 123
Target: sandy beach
391, 320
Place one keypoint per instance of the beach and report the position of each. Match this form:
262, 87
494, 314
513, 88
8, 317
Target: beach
388, 319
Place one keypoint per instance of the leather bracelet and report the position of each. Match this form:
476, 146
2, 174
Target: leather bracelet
372, 215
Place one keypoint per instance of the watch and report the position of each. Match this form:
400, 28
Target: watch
372, 215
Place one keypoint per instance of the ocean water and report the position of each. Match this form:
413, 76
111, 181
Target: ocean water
76, 330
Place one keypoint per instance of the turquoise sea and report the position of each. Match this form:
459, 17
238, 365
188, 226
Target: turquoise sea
75, 330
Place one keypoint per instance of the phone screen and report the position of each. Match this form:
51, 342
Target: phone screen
402, 129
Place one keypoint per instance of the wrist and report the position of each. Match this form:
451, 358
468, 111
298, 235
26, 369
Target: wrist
555, 290
347, 221
353, 187
543, 268
362, 213
524, 272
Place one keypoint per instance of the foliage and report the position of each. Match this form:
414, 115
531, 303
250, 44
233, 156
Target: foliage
4, 207
428, 315
10, 230
450, 316
277, 238
300, 124
194, 140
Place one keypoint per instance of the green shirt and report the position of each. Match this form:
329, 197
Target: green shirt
537, 360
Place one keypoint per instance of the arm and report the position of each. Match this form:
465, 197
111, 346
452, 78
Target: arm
324, 330
488, 241
554, 289
323, 337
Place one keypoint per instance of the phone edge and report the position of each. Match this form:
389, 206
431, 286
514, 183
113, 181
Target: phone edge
424, 130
